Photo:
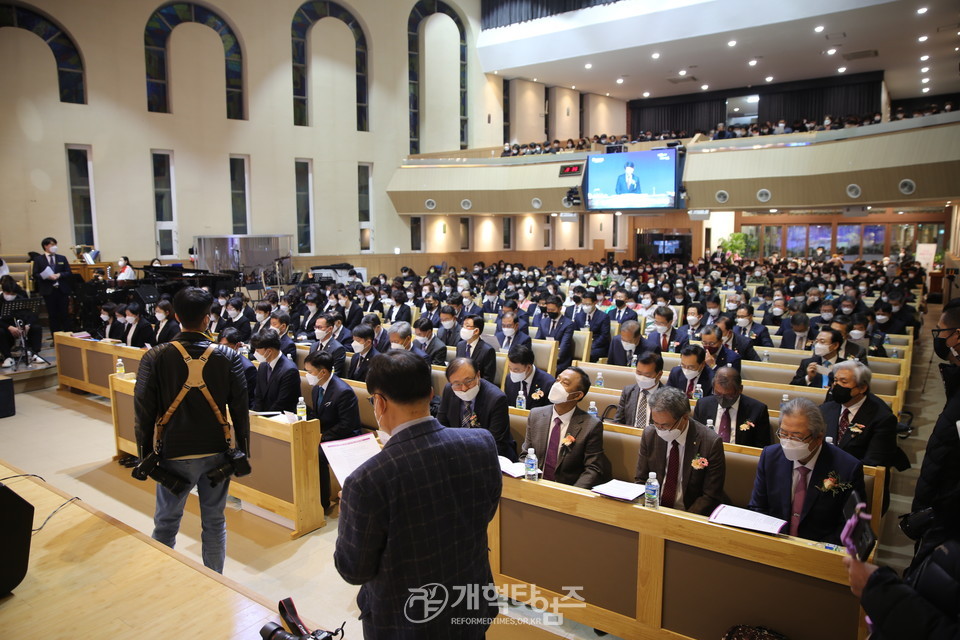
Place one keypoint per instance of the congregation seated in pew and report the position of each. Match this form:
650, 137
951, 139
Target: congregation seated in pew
278, 379
324, 328
718, 355
526, 379
633, 408
626, 345
738, 419
471, 402
692, 372
431, 344
815, 370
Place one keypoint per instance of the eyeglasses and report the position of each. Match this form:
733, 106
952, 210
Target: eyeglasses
939, 333
463, 385
665, 427
783, 435
372, 396
689, 368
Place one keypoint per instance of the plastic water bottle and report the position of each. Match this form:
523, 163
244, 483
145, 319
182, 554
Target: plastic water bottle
895, 354
651, 493
697, 392
592, 409
245, 351
301, 409
121, 369
766, 356
633, 361
530, 471
599, 382
521, 400
783, 402
829, 439
886, 339
710, 425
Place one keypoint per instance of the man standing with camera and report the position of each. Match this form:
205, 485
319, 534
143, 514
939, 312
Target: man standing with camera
183, 388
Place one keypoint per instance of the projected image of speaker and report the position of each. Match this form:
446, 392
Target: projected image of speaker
17, 516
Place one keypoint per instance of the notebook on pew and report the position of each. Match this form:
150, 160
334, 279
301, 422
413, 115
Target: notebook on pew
620, 490
747, 519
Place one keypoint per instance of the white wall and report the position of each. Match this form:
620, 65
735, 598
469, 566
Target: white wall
35, 126
722, 224
603, 115
439, 85
527, 117
564, 114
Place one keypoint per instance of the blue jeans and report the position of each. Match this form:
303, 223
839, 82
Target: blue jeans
169, 509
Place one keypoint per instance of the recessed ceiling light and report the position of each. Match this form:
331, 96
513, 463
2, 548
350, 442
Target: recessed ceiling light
769, 78
495, 72
608, 95
753, 99
573, 87
900, 213
732, 43
830, 52
922, 39
818, 29
924, 70
925, 80
618, 213
646, 94
736, 109
534, 79
588, 66
682, 72
926, 90
704, 87
619, 80
924, 58
773, 210
753, 62
922, 10
655, 56
841, 69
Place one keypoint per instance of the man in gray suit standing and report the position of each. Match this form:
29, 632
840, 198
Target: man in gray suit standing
567, 440
686, 456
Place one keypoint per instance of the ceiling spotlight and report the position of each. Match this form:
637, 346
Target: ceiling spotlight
588, 66
769, 78
736, 109
608, 95
841, 69
753, 99
830, 52
922, 10
495, 72
655, 56
922, 39
924, 58
618, 213
619, 80
818, 29
682, 72
773, 210
753, 62
534, 79
925, 80
926, 90
573, 87
646, 94
732, 43
704, 87
925, 69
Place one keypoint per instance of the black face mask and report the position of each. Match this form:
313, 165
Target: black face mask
843, 395
553, 315
621, 304
726, 401
941, 349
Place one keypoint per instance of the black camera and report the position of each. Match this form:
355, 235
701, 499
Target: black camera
288, 612
149, 468
273, 631
235, 465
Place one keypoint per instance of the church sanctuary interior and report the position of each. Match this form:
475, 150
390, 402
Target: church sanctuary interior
665, 207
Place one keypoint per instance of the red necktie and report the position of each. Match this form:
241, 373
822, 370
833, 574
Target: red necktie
663, 342
690, 388
553, 446
799, 495
844, 424
725, 425
670, 484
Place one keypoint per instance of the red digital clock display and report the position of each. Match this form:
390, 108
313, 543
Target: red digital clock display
567, 170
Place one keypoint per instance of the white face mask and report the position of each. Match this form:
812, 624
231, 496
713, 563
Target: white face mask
261, 316
882, 319
827, 315
668, 435
647, 302
732, 306
260, 357
285, 308
312, 380
558, 394
714, 311
846, 310
214, 317
661, 328
821, 349
518, 376
122, 320
233, 314
312, 308
793, 450
53, 249
509, 332
693, 320
777, 311
744, 322
321, 334
122, 263
131, 320
358, 347
160, 316
466, 334
409, 295
469, 395
222, 301
644, 382
448, 324
857, 334
397, 345
421, 339
690, 375
895, 307
103, 316
368, 298
587, 308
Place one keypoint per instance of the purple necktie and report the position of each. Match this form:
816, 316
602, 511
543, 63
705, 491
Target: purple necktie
673, 472
553, 446
844, 424
725, 425
799, 495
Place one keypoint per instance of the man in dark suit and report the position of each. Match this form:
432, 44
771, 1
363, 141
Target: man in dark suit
473, 347
625, 346
335, 406
381, 340
797, 337
278, 380
634, 406
692, 371
597, 322
758, 334
340, 333
524, 377
363, 352
351, 311
230, 337
431, 309
567, 441
510, 334
449, 331
417, 512
471, 402
626, 182
719, 356
738, 419
849, 350
696, 313
805, 480
469, 307
430, 344
401, 337
826, 351
685, 454
54, 285
492, 302
324, 328
280, 321
740, 345
619, 312
557, 327
663, 337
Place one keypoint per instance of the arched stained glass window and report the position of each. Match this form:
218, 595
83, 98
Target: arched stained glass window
156, 38
421, 10
305, 17
69, 62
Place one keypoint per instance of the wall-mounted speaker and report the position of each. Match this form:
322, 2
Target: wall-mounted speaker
430, 204
536, 203
907, 186
764, 195
722, 196
466, 204
853, 191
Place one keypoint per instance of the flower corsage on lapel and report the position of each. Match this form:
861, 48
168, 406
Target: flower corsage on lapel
567, 441
746, 426
536, 395
856, 429
699, 463
832, 485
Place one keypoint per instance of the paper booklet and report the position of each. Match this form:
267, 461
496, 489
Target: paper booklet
747, 519
620, 490
346, 455
513, 469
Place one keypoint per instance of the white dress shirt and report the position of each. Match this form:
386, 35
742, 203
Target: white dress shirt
853, 409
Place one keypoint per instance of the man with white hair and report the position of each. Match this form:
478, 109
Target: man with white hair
804, 480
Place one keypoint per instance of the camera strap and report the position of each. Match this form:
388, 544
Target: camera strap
194, 381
